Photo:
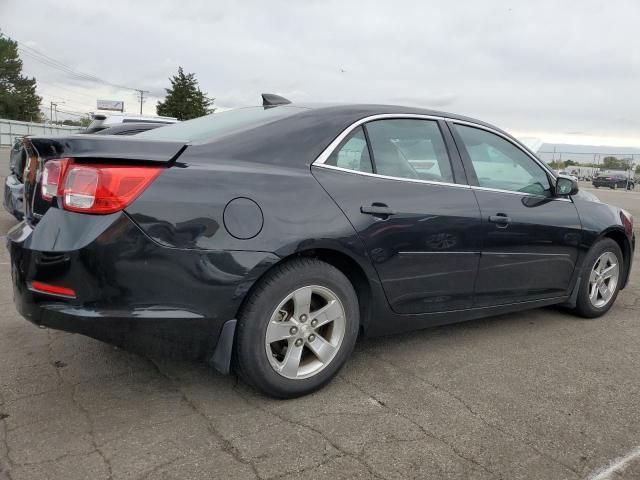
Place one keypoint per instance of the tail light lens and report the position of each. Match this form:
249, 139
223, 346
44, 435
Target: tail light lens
95, 188
52, 175
627, 221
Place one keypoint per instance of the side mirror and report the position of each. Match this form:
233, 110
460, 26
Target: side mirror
566, 186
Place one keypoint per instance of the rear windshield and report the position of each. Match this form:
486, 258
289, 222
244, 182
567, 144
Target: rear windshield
216, 125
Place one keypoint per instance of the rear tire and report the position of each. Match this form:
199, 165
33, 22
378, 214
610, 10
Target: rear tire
602, 274
297, 328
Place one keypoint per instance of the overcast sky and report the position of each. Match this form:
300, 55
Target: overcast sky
564, 71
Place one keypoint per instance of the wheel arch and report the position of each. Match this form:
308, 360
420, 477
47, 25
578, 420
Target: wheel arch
345, 263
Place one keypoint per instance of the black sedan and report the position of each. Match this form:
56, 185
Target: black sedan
267, 239
613, 181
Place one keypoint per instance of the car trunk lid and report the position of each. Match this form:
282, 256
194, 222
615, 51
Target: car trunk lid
86, 148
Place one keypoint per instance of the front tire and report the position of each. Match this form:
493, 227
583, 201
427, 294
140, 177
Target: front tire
602, 275
297, 328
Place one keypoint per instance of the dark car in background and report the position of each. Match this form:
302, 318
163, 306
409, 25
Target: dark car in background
614, 181
267, 239
14, 187
102, 121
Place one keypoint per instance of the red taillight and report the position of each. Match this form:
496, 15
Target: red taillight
95, 188
42, 287
627, 221
52, 175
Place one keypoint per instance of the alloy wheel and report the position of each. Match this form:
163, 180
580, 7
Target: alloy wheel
603, 279
305, 332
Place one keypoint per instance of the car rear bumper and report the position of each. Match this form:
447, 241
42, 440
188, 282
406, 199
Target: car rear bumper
129, 291
13, 196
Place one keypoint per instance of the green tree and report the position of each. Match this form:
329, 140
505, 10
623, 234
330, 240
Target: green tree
556, 165
613, 163
570, 163
18, 97
637, 169
184, 99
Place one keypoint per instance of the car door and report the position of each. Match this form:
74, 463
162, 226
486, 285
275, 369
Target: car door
530, 237
419, 220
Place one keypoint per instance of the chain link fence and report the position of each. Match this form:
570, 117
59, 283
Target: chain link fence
9, 129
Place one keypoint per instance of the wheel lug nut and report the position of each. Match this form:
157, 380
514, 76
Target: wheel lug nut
303, 318
312, 337
293, 330
299, 342
314, 322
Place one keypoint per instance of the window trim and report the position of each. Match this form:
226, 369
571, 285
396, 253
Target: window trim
328, 151
345, 140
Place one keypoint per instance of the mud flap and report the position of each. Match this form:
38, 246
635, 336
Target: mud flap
221, 358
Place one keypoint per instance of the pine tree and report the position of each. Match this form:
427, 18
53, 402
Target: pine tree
18, 97
184, 99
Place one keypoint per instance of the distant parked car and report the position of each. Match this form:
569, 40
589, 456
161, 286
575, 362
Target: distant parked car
102, 121
614, 181
14, 186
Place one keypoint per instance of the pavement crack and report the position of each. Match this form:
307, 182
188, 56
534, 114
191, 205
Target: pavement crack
311, 429
307, 469
82, 409
5, 442
425, 432
477, 414
227, 446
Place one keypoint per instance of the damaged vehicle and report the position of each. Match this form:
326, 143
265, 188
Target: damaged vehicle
267, 239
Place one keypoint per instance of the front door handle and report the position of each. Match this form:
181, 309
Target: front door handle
500, 218
377, 209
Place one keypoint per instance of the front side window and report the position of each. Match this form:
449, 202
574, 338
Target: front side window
501, 165
411, 149
353, 153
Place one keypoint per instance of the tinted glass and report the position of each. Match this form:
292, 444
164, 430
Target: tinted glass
216, 125
411, 149
500, 164
353, 153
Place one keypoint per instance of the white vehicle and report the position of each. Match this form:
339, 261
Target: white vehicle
567, 174
105, 120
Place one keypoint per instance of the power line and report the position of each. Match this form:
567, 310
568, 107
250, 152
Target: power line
53, 63
53, 85
45, 59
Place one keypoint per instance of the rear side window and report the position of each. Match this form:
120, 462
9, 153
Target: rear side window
501, 165
353, 153
216, 125
411, 149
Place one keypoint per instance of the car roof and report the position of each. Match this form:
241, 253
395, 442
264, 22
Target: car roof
299, 138
366, 109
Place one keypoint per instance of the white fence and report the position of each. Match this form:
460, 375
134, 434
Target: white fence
9, 129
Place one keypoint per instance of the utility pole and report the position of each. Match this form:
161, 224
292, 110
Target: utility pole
53, 109
141, 93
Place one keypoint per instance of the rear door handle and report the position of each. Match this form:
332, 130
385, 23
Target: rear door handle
377, 209
500, 218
